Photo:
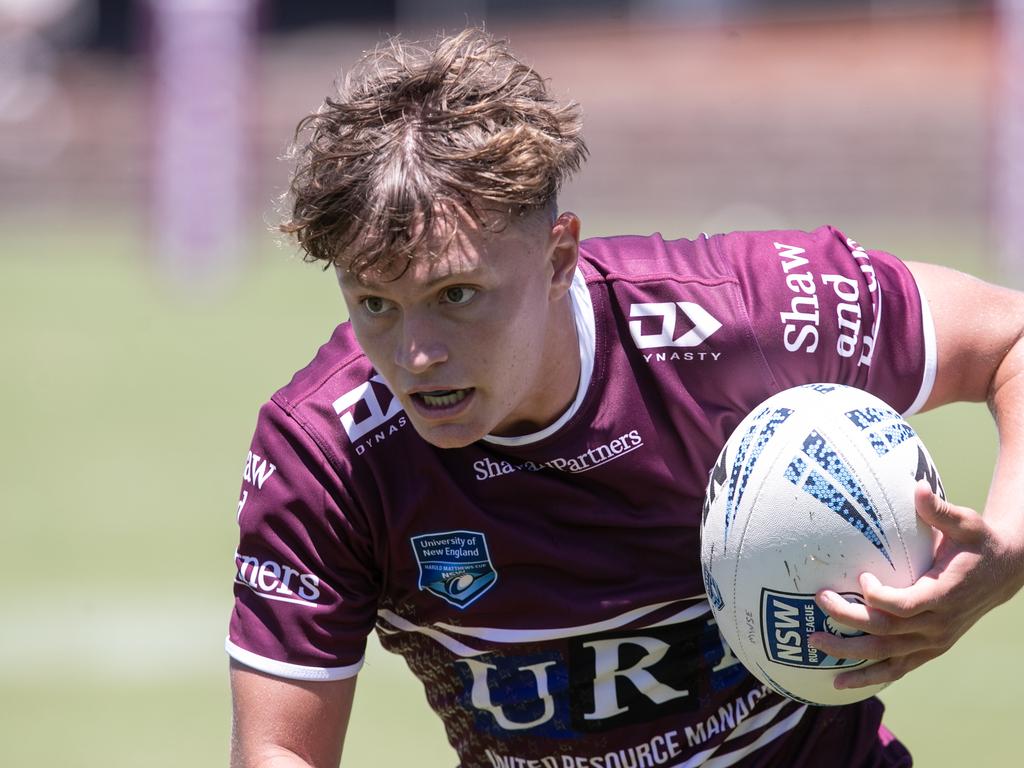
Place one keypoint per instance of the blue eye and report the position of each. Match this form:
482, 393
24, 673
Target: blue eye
375, 305
458, 294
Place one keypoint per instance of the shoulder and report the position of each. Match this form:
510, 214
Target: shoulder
340, 360
706, 255
757, 262
712, 259
649, 258
338, 401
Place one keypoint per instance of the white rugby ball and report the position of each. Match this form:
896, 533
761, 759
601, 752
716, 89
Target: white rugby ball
814, 487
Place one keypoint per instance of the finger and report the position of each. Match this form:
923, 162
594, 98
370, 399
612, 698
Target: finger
883, 672
846, 612
900, 602
876, 674
871, 647
961, 524
869, 616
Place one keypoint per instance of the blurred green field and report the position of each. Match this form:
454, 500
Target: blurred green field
129, 411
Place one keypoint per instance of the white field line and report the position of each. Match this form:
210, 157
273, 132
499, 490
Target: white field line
85, 637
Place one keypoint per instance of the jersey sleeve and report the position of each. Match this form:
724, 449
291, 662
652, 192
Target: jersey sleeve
305, 585
823, 308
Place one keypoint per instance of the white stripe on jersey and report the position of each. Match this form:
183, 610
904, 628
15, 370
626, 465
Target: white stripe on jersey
499, 635
759, 720
768, 736
450, 643
684, 615
706, 758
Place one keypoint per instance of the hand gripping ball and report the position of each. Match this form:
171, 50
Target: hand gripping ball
814, 487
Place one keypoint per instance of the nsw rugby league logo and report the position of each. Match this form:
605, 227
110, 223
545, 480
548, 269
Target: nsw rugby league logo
454, 565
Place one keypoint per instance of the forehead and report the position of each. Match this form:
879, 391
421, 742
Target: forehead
460, 246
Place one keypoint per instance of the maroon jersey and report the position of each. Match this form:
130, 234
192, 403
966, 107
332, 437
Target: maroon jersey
546, 589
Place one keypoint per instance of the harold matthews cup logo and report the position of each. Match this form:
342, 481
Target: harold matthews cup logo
454, 565
700, 324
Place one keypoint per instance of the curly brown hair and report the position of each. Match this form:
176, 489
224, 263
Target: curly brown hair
418, 131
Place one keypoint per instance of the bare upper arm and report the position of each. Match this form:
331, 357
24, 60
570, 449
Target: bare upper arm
282, 723
976, 325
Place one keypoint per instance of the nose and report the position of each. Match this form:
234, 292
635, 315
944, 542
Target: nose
421, 344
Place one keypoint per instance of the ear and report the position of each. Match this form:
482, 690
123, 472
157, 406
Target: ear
564, 252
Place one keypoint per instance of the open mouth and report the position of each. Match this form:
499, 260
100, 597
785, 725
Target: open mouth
442, 398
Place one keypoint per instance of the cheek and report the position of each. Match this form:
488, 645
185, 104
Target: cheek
375, 345
516, 353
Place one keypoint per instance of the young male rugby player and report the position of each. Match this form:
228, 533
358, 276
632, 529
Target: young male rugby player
499, 462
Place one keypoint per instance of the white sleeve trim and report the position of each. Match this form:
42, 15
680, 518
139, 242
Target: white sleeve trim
930, 356
290, 671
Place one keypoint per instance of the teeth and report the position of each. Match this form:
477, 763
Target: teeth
438, 400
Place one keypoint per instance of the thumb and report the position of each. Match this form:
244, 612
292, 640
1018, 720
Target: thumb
961, 524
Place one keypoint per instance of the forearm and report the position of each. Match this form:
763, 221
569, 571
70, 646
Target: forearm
274, 758
255, 749
979, 330
287, 723
1004, 508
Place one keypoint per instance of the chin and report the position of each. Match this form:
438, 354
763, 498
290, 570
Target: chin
449, 435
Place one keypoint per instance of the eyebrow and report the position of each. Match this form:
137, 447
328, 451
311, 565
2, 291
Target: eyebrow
470, 275
473, 274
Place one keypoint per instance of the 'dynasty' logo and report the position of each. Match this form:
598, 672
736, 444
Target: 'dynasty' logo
700, 324
454, 565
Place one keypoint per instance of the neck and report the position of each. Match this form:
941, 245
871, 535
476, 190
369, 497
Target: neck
558, 378
563, 358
